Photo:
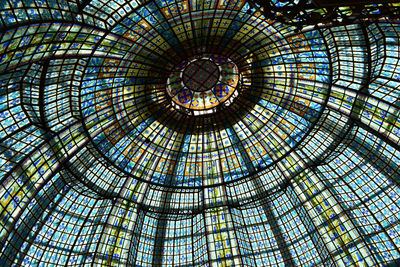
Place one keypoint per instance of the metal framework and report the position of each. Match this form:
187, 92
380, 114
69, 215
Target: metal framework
302, 13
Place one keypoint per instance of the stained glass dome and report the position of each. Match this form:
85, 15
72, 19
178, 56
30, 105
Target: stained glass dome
196, 133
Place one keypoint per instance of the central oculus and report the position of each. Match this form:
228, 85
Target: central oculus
201, 75
201, 83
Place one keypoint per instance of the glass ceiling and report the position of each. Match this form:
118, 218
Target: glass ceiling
195, 133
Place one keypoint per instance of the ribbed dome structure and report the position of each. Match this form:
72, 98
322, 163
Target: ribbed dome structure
195, 133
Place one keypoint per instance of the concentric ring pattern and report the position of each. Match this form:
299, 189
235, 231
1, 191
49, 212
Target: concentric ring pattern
278, 147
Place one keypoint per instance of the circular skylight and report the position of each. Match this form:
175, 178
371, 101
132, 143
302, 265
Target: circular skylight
201, 83
200, 75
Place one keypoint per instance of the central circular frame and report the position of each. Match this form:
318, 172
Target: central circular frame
201, 75
199, 84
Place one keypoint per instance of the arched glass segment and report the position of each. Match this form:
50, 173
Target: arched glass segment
195, 133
